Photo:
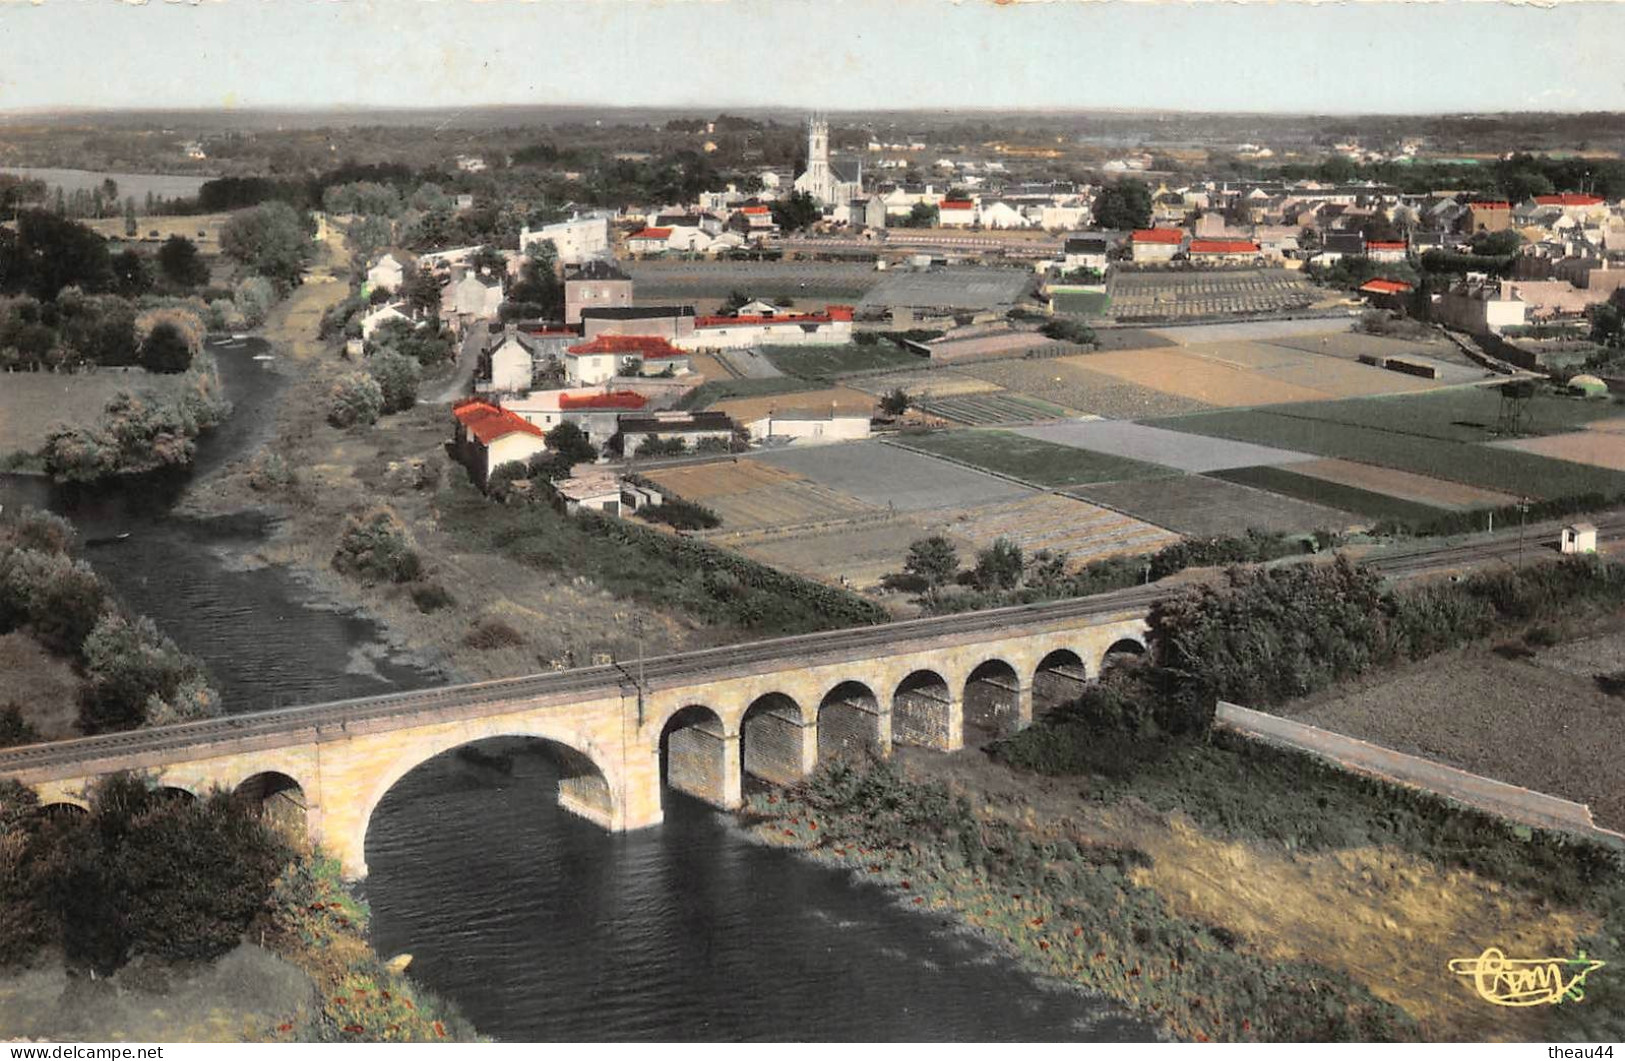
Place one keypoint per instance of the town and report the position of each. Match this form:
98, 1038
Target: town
479, 568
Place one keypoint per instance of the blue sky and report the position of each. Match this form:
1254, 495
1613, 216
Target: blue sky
834, 54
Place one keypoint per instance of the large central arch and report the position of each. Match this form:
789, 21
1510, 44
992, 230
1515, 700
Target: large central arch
850, 724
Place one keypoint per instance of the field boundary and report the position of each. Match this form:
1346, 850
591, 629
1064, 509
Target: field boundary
1515, 803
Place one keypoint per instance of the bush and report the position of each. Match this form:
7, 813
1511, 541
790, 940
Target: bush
57, 597
270, 471
36, 529
397, 377
1069, 331
683, 515
999, 566
165, 350
133, 671
488, 634
432, 598
661, 447
374, 547
354, 399
14, 728
254, 298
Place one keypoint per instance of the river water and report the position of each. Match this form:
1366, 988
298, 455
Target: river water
536, 923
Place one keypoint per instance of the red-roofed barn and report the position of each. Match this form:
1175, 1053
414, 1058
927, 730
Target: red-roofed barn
489, 436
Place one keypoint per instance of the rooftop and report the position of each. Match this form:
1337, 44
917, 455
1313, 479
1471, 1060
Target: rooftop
487, 422
1158, 235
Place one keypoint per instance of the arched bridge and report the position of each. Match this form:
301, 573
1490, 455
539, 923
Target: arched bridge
697, 722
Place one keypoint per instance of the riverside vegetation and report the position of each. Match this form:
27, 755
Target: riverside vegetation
1147, 884
146, 873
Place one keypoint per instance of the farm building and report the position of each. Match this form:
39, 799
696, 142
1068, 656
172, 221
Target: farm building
1155, 244
693, 429
815, 425
596, 412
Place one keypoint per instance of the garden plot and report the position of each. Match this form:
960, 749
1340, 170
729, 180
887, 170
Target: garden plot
998, 407
1600, 449
809, 285
1370, 504
749, 496
1035, 460
1452, 365
951, 288
1060, 524
747, 364
1201, 507
1258, 331
926, 383
892, 477
863, 554
1156, 445
1174, 294
1419, 488
1073, 384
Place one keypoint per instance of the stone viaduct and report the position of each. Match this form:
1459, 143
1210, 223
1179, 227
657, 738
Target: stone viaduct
696, 722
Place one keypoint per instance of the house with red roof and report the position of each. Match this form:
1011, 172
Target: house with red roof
1388, 294
1386, 250
1155, 244
489, 436
956, 213
1224, 250
606, 356
596, 410
648, 241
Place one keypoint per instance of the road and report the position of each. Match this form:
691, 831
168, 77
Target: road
794, 651
461, 383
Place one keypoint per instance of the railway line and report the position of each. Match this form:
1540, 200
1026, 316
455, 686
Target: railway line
673, 669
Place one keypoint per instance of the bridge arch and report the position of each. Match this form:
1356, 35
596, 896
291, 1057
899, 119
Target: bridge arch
851, 724
774, 740
587, 787
1058, 678
274, 796
695, 752
922, 711
1123, 650
992, 701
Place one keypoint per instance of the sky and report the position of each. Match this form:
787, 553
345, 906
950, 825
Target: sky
1205, 55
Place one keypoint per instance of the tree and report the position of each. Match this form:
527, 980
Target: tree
921, 215
797, 212
46, 253
180, 263
130, 275
999, 566
166, 349
273, 239
539, 283
422, 292
571, 444
489, 260
1123, 205
896, 402
933, 559
397, 377
1069, 331
254, 297
354, 399
1608, 322
1496, 243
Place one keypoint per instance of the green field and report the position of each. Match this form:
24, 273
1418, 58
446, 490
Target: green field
1081, 303
827, 362
1434, 434
1033, 460
712, 391
1333, 495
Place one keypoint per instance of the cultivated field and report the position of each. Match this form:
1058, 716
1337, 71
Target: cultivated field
1184, 373
1172, 449
202, 229
1202, 507
1453, 365
1177, 294
1418, 488
894, 478
862, 553
1288, 483
1033, 459
1435, 435
31, 403
1068, 383
826, 362
1000, 407
1084, 532
809, 285
750, 495
1601, 449
1493, 716
926, 383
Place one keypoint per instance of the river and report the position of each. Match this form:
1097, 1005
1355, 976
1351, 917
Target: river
536, 923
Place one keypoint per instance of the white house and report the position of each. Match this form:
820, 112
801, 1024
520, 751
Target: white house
607, 356
581, 239
476, 296
833, 326
386, 273
513, 364
595, 410
374, 320
956, 213
1000, 214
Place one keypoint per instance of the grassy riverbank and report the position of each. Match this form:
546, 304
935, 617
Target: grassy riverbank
1196, 892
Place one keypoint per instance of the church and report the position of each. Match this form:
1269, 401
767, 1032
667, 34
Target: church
828, 183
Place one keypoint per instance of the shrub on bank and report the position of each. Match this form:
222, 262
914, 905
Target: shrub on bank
683, 515
374, 547
397, 377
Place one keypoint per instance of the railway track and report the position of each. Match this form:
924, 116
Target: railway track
673, 669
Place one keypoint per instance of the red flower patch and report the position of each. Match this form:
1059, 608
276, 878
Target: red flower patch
284, 1027
906, 886
440, 1029
353, 1029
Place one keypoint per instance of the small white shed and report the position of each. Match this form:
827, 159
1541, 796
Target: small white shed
1579, 538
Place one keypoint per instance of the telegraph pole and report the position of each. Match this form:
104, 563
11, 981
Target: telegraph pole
1523, 509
